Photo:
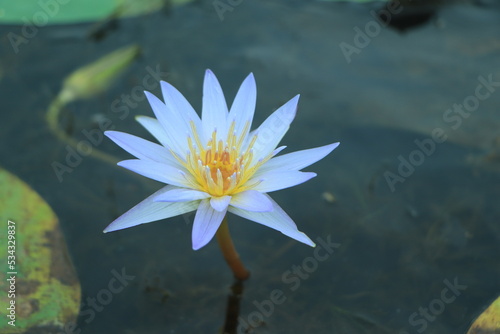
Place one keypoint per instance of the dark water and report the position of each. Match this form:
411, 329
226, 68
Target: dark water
408, 222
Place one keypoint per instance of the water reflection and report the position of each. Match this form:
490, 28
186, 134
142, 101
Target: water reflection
233, 308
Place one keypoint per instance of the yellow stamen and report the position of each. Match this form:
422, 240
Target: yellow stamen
221, 167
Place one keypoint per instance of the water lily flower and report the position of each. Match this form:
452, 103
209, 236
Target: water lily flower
215, 164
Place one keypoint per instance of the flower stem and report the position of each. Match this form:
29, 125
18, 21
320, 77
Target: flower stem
229, 252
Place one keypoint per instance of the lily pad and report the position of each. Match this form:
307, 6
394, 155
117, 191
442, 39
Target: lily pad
48, 12
360, 1
489, 321
41, 284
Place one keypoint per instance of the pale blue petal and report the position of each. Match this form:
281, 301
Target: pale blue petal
141, 148
177, 104
175, 134
297, 160
148, 211
243, 107
206, 223
276, 219
272, 130
252, 200
277, 180
278, 150
154, 127
157, 171
214, 110
181, 195
220, 203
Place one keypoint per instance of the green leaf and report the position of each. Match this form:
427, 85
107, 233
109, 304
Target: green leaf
48, 12
47, 291
489, 321
359, 1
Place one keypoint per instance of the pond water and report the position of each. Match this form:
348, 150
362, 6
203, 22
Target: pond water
409, 242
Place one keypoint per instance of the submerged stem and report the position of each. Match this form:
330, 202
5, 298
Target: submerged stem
229, 252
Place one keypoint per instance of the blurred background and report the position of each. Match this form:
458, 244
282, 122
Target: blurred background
411, 89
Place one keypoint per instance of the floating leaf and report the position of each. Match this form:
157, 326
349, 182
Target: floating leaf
47, 291
489, 321
361, 1
41, 13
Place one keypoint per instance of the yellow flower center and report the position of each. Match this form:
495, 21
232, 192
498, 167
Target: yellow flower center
221, 167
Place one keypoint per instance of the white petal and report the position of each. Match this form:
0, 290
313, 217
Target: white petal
177, 104
140, 148
278, 150
297, 160
274, 128
220, 203
276, 180
148, 211
157, 171
154, 127
276, 219
181, 195
206, 223
243, 107
214, 111
252, 200
175, 134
